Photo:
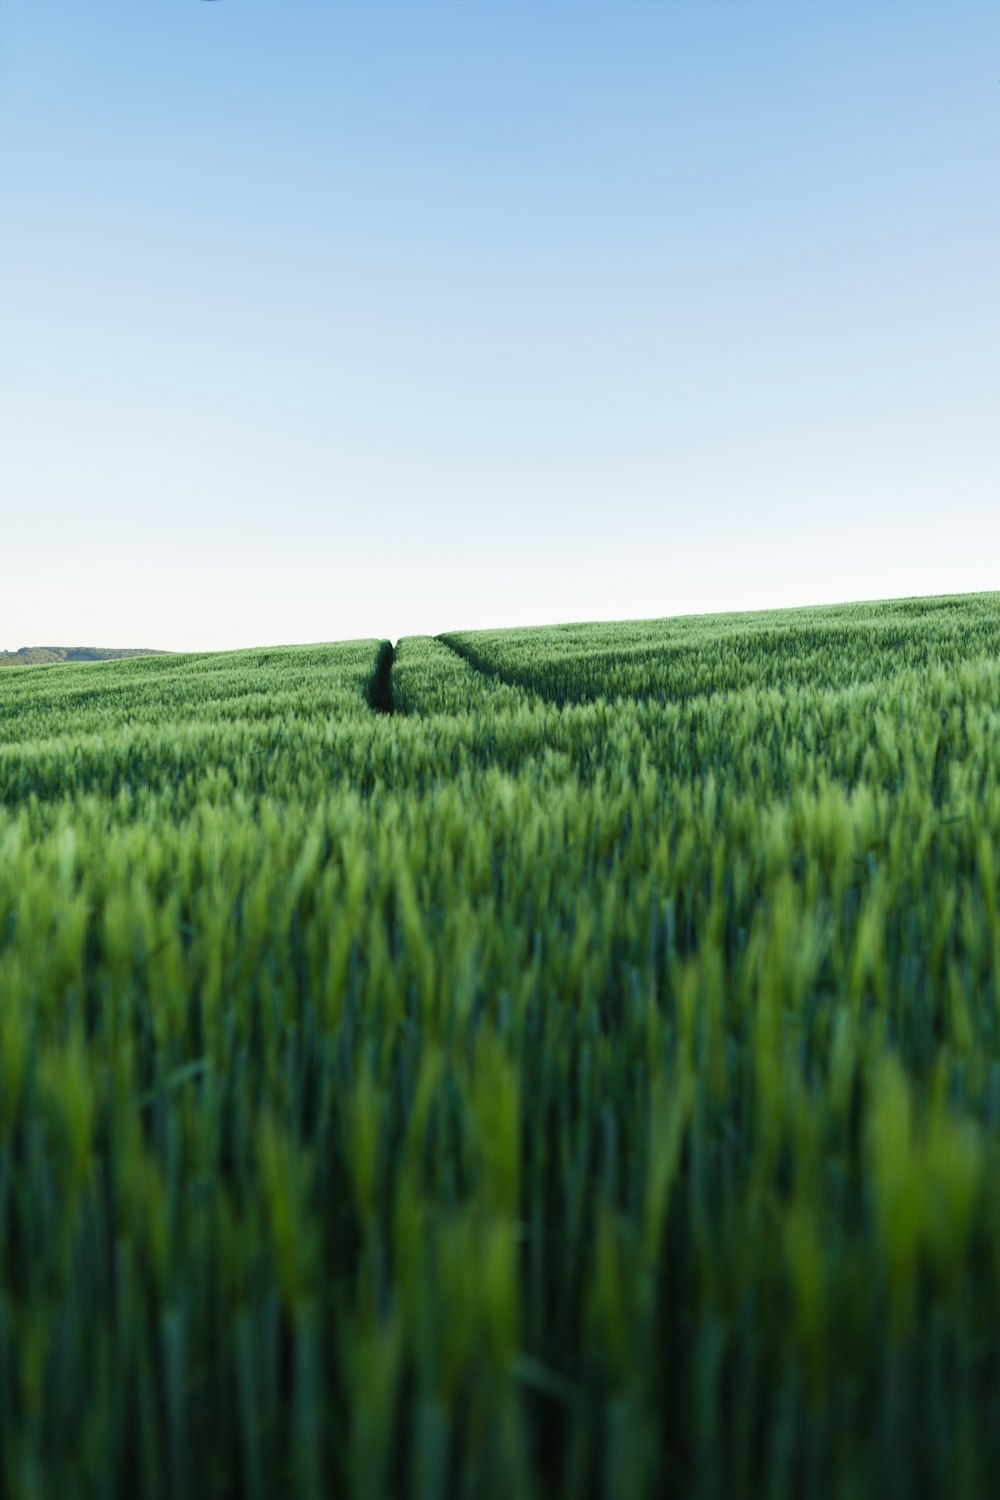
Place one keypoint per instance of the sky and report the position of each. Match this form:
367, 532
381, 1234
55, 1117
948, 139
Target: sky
334, 318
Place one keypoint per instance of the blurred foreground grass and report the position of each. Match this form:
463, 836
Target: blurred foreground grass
584, 1081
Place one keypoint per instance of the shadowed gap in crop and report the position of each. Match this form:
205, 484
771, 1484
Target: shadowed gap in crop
380, 685
485, 667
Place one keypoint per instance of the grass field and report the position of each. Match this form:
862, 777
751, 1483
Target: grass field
555, 1062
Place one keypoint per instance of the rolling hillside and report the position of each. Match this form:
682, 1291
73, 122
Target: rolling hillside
34, 656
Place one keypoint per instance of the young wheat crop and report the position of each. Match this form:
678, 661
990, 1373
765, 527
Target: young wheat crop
583, 1080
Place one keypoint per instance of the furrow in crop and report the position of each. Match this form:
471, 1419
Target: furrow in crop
489, 669
380, 686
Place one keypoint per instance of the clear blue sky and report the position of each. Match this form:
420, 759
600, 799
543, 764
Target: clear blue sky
325, 318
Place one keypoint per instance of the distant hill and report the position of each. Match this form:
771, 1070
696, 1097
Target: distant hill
33, 656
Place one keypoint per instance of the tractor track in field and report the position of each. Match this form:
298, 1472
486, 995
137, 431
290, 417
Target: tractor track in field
474, 660
487, 669
380, 695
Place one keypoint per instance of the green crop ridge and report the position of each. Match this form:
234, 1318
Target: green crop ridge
582, 1081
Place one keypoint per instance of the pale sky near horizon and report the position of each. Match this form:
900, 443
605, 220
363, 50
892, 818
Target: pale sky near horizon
334, 318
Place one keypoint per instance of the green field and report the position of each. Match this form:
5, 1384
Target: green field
582, 1080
